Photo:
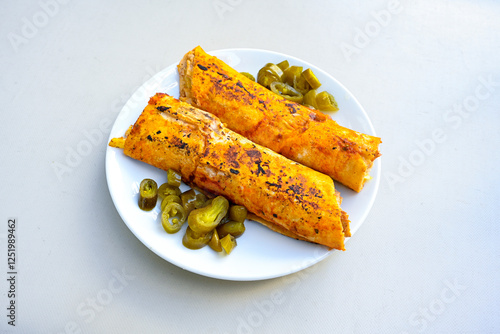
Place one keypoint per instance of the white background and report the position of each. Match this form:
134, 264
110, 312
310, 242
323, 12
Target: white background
427, 258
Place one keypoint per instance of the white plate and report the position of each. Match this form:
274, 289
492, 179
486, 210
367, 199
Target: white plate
261, 253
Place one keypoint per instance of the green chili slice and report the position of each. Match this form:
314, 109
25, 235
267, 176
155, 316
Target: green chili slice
283, 65
287, 91
265, 78
310, 99
148, 194
234, 228
191, 200
268, 74
173, 178
275, 69
166, 189
193, 240
326, 102
228, 243
238, 213
200, 201
301, 84
291, 74
187, 199
169, 199
175, 211
248, 75
311, 78
214, 242
204, 220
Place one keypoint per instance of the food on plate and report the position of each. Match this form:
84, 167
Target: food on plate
311, 79
248, 75
310, 99
191, 200
236, 229
168, 199
173, 178
325, 101
293, 83
214, 242
293, 130
268, 74
117, 142
173, 216
171, 134
148, 194
193, 240
228, 243
286, 91
203, 223
205, 217
238, 213
234, 222
168, 189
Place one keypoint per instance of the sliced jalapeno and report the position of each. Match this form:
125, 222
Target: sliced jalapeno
228, 243
311, 78
326, 102
265, 78
173, 217
300, 83
214, 242
173, 178
201, 200
193, 240
310, 99
169, 199
268, 74
248, 75
236, 229
148, 194
207, 202
238, 213
274, 69
287, 91
205, 219
291, 74
283, 65
187, 199
166, 189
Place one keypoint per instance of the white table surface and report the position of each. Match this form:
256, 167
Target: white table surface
427, 258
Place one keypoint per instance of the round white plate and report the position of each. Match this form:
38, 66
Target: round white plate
261, 253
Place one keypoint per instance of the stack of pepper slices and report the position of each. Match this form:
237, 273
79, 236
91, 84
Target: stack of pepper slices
211, 221
295, 84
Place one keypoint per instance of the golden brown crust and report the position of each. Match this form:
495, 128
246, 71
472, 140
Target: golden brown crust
297, 132
173, 134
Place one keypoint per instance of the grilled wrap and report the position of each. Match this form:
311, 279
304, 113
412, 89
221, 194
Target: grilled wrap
173, 134
295, 131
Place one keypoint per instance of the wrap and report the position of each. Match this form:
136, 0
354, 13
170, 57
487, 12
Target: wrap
295, 131
171, 134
